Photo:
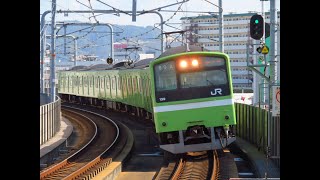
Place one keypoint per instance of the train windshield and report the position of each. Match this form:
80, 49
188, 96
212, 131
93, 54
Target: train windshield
204, 78
189, 77
165, 76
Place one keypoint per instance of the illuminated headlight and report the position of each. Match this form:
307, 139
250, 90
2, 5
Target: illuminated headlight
183, 64
195, 63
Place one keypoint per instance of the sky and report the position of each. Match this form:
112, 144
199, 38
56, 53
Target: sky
234, 6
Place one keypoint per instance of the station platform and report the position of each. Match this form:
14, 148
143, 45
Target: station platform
258, 159
58, 140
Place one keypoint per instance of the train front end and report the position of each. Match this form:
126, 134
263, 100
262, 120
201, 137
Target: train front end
192, 101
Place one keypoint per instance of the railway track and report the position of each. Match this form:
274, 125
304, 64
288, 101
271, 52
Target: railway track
145, 158
90, 159
81, 135
202, 167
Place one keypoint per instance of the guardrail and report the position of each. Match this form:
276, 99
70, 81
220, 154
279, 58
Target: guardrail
252, 125
49, 120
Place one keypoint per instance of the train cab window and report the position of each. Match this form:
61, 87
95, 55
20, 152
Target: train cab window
165, 76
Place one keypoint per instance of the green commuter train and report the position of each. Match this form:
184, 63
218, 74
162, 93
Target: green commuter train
186, 91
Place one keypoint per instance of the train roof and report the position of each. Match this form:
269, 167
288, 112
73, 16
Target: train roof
181, 49
78, 68
99, 67
143, 63
133, 65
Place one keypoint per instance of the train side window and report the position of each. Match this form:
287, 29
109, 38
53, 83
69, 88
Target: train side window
77, 81
70, 81
147, 87
134, 84
101, 83
85, 81
113, 83
140, 89
107, 82
97, 81
129, 85
119, 83
124, 86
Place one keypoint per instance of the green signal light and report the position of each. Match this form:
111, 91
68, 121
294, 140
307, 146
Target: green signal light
256, 21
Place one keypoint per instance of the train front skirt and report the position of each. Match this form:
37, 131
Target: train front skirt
181, 147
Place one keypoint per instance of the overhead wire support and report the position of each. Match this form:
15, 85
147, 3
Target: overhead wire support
204, 12
126, 12
192, 33
99, 24
75, 45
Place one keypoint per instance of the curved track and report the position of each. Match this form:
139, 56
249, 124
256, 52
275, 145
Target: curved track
105, 136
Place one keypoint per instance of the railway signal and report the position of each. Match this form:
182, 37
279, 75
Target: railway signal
267, 30
256, 26
109, 61
259, 49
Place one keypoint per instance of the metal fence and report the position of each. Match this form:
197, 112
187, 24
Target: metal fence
49, 120
252, 125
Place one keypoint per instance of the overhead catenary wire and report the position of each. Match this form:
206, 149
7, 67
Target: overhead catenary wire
193, 33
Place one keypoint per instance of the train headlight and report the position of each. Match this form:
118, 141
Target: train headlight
183, 64
226, 117
195, 63
164, 124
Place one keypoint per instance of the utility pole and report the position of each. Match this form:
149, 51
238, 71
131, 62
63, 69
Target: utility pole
278, 53
272, 71
273, 18
134, 10
221, 27
65, 41
53, 55
42, 48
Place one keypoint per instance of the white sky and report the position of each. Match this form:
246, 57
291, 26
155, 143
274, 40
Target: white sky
236, 6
